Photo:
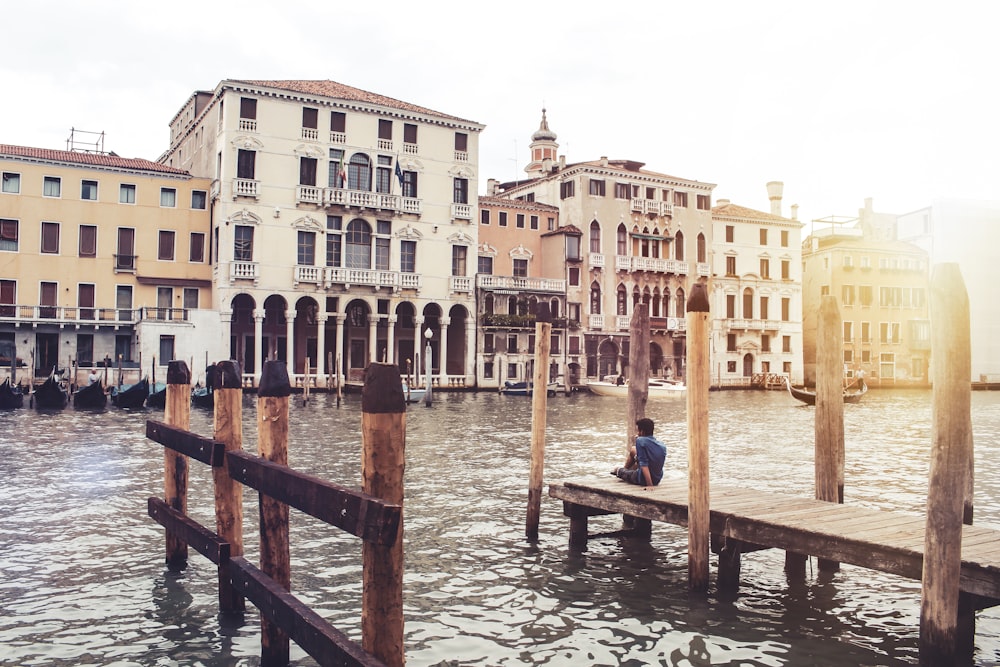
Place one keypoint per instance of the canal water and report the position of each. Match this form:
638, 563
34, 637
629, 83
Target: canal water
82, 579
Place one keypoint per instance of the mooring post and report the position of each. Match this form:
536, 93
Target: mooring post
176, 412
383, 446
539, 402
698, 379
951, 451
228, 492
638, 394
829, 417
272, 445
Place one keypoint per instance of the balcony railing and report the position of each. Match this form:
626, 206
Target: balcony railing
338, 138
309, 274
460, 284
244, 271
370, 200
411, 149
19, 313
245, 187
248, 125
385, 144
491, 282
165, 314
125, 263
597, 322
308, 194
704, 269
508, 321
652, 264
461, 156
623, 322
376, 278
409, 280
310, 133
596, 260
652, 206
461, 212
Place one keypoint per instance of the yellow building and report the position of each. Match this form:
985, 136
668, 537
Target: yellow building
101, 257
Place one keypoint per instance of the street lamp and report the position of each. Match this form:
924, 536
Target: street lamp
428, 334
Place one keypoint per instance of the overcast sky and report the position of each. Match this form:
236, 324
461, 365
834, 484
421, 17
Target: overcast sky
840, 100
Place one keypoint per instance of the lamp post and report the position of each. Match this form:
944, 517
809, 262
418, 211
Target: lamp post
428, 334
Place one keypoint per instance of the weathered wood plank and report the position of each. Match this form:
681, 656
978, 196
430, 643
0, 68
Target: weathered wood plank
204, 541
322, 641
197, 447
357, 513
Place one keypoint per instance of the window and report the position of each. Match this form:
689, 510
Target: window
123, 301
358, 245
567, 189
765, 268
574, 276
51, 186
730, 342
85, 349
554, 344
866, 332
595, 298
730, 366
595, 237
306, 249
848, 261
458, 260
848, 331
197, 250
786, 343
502, 218
88, 241
243, 243
461, 191
747, 303
520, 268
512, 347
520, 221
50, 238
85, 300
848, 295
596, 187
11, 183
408, 256
484, 216
310, 118
731, 306
166, 349
8, 297
385, 129
125, 257
246, 165
191, 298
47, 298
359, 173
485, 265
680, 199
784, 238
8, 235
702, 249
338, 121
409, 133
88, 190
307, 171
168, 197
765, 342
865, 295
622, 191
126, 193
409, 184
731, 265
199, 200
382, 241
489, 343
461, 142
165, 246
334, 240
763, 236
573, 248
764, 302
248, 108
679, 246
730, 233
786, 307
621, 240
704, 202
786, 269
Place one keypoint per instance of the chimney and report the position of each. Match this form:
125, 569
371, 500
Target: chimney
795, 211
492, 185
604, 160
774, 190
722, 202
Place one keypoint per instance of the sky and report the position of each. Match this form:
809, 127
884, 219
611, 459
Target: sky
894, 101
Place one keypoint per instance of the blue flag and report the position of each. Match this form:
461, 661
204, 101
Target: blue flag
399, 174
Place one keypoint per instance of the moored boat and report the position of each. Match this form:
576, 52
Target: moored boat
852, 393
50, 394
413, 394
511, 388
90, 396
157, 396
658, 388
11, 396
131, 396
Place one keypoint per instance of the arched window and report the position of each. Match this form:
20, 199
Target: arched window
595, 236
359, 173
646, 296
654, 307
358, 239
595, 298
748, 303
702, 252
488, 304
666, 302
621, 303
512, 305
679, 246
532, 305
554, 307
622, 240
680, 302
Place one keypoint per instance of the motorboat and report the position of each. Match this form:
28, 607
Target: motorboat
852, 392
511, 388
657, 388
413, 394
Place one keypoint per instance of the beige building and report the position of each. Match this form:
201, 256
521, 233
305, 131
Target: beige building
881, 288
756, 297
102, 257
646, 239
522, 263
343, 225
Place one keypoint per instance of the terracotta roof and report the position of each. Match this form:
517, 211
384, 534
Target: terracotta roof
340, 91
109, 160
565, 229
507, 202
734, 211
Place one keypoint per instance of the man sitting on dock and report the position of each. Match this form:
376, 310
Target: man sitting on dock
644, 465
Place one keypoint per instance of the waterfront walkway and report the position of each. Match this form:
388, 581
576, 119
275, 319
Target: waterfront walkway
750, 520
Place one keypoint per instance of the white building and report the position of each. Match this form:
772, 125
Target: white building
342, 225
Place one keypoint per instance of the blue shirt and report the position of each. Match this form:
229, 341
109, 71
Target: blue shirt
651, 453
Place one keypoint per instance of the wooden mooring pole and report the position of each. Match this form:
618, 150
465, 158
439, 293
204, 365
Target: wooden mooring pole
383, 446
539, 402
698, 379
829, 417
951, 461
176, 412
228, 429
638, 394
272, 445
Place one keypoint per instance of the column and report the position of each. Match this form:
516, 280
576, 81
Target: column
471, 347
445, 321
290, 343
320, 346
418, 350
390, 343
373, 339
338, 362
258, 344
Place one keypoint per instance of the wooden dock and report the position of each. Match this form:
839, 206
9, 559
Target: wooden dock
744, 520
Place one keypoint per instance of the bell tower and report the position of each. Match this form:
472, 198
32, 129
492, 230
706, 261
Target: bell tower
543, 148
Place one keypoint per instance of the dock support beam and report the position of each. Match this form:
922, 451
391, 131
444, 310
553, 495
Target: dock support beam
698, 379
176, 412
829, 417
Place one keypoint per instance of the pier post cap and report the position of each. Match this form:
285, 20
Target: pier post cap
228, 375
274, 380
698, 301
383, 390
178, 372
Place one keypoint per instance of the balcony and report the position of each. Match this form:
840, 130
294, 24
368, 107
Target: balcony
371, 200
376, 278
385, 144
409, 281
67, 315
125, 263
338, 138
312, 275
164, 314
508, 321
652, 264
461, 212
651, 206
461, 156
308, 194
491, 282
596, 323
410, 149
460, 284
244, 271
248, 125
623, 322
310, 134
246, 187
596, 260
745, 325
704, 269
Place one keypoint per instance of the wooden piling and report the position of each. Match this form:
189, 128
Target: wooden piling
383, 438
951, 454
638, 369
176, 412
272, 445
829, 416
698, 379
539, 401
229, 493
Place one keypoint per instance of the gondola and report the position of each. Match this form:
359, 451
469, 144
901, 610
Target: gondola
204, 397
50, 394
90, 396
11, 396
157, 396
131, 396
852, 393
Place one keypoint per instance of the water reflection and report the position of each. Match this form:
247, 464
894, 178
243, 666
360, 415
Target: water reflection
83, 580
